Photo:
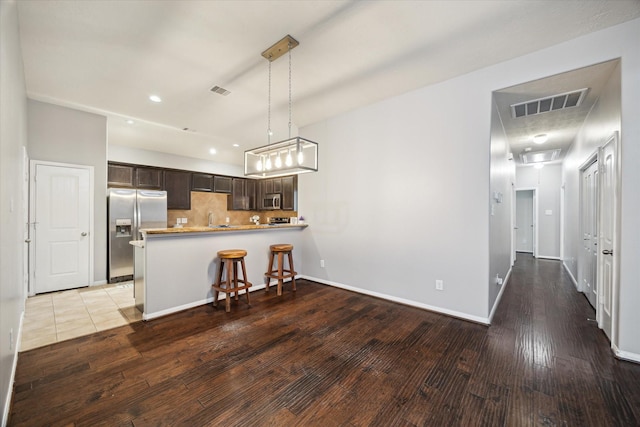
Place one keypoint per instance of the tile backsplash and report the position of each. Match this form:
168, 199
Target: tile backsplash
202, 203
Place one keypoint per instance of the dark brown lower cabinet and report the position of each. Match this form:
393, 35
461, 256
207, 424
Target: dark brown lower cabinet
178, 187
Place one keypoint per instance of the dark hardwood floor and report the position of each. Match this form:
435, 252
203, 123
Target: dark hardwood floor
328, 357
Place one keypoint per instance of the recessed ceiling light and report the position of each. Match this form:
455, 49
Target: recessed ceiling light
212, 151
130, 122
236, 145
155, 98
538, 165
540, 139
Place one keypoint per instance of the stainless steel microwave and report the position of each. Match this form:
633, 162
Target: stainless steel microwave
271, 201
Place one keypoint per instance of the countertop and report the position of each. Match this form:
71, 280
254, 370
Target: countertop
204, 229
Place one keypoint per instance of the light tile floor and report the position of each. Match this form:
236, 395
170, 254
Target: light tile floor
63, 315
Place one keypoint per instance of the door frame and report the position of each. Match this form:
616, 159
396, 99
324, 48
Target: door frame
32, 212
513, 223
26, 255
535, 217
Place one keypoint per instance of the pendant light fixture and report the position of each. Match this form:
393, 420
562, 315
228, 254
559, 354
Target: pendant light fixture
288, 157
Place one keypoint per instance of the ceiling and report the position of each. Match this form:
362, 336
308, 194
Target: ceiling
560, 126
109, 56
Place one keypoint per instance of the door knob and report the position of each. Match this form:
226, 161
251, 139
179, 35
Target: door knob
84, 233
607, 252
27, 240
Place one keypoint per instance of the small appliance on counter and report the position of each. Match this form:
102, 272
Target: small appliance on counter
274, 220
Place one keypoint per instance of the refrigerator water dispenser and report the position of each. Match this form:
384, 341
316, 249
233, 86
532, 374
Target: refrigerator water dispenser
123, 227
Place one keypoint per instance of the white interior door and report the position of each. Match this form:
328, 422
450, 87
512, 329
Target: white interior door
608, 254
589, 224
61, 225
524, 221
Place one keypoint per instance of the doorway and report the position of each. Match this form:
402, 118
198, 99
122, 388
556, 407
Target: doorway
525, 230
588, 273
62, 226
608, 251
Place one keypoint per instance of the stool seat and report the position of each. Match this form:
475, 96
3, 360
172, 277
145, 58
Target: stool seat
281, 247
278, 251
232, 253
229, 260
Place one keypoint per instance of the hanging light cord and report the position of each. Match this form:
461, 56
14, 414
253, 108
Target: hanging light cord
290, 91
269, 133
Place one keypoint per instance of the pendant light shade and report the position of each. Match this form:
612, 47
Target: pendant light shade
300, 155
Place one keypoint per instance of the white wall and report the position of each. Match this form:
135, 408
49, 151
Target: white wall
13, 137
500, 227
402, 195
548, 181
399, 202
119, 153
65, 135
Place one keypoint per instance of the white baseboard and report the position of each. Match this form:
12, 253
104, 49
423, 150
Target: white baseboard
452, 313
573, 279
625, 355
557, 258
98, 283
16, 349
209, 300
497, 301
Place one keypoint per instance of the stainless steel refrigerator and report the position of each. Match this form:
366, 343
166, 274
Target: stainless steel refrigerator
129, 211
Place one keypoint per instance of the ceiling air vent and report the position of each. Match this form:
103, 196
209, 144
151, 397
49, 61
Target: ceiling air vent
550, 103
220, 90
539, 156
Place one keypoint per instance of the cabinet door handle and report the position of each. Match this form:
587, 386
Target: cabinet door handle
607, 252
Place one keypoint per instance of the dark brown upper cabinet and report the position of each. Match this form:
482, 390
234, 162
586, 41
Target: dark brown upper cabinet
277, 185
178, 187
222, 184
289, 195
120, 176
243, 196
201, 182
148, 178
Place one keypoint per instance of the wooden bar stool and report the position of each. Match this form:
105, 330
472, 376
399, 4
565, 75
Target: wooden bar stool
229, 260
279, 272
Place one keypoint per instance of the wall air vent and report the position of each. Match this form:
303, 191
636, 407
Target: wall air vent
539, 156
550, 103
220, 90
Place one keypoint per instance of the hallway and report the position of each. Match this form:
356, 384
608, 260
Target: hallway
560, 369
326, 356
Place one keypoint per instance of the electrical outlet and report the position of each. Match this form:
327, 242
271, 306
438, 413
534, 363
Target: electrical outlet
184, 220
321, 263
439, 285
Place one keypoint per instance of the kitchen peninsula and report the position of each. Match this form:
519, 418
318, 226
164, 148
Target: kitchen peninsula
175, 267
